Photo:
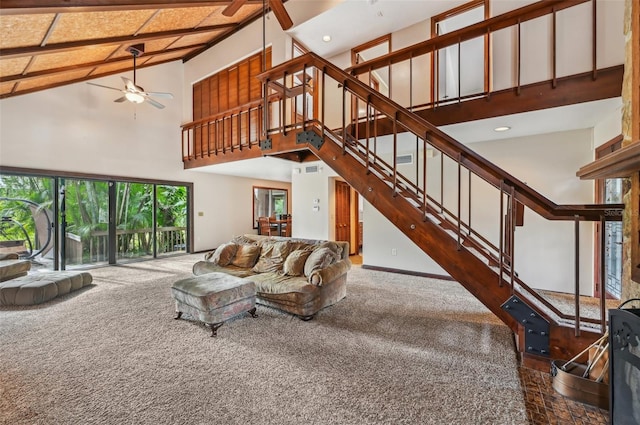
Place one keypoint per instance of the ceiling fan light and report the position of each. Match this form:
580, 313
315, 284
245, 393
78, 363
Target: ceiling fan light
134, 97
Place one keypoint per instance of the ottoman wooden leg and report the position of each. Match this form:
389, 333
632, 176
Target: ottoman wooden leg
178, 315
252, 312
214, 328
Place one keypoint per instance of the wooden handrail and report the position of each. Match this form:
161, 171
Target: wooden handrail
491, 173
230, 112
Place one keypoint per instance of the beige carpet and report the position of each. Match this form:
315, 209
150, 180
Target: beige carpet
398, 350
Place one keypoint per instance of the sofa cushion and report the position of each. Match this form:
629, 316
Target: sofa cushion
204, 267
223, 255
319, 259
272, 256
294, 264
244, 240
246, 256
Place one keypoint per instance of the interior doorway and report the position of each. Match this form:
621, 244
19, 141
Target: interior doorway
346, 216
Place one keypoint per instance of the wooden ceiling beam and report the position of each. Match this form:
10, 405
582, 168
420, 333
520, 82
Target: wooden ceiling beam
24, 7
62, 47
77, 80
89, 65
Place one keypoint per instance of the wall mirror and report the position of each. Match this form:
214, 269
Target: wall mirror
269, 202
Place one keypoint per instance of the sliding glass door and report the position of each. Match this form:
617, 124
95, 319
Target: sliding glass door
90, 221
84, 220
134, 220
171, 218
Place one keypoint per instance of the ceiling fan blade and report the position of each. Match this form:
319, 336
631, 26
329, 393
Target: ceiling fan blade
160, 94
120, 99
281, 14
129, 84
106, 87
154, 103
233, 7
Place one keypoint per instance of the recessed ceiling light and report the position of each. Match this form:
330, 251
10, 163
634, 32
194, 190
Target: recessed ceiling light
326, 38
504, 128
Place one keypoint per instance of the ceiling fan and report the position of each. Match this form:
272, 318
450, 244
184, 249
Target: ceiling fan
133, 92
276, 7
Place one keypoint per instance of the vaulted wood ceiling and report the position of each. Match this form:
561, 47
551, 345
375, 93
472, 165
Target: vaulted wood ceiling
49, 43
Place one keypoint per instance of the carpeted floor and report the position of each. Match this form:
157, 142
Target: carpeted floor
398, 350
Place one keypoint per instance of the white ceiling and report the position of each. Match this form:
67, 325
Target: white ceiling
564, 118
354, 22
265, 168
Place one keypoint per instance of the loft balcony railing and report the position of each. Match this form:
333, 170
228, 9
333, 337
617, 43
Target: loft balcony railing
418, 64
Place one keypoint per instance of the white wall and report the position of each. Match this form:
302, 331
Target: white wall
610, 126
78, 128
306, 189
548, 163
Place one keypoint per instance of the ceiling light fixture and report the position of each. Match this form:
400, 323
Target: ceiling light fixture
134, 97
503, 128
326, 38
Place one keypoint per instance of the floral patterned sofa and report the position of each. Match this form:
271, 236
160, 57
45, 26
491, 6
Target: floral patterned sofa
299, 276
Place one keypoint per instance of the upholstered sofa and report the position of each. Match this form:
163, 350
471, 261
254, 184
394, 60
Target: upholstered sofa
299, 276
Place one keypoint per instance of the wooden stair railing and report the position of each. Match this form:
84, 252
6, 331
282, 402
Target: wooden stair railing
427, 216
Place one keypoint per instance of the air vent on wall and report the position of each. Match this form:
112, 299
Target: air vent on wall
404, 159
311, 169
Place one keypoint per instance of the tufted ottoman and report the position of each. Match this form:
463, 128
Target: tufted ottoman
37, 288
12, 267
213, 298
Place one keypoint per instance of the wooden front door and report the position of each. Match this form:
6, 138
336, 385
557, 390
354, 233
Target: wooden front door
343, 207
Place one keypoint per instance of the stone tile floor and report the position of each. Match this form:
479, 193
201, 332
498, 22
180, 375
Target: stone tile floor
546, 407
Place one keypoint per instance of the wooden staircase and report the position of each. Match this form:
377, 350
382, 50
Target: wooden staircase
485, 264
486, 270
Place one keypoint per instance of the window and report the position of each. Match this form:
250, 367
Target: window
92, 220
268, 202
451, 78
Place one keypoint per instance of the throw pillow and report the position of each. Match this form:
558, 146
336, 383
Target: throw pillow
319, 259
272, 256
223, 255
246, 256
294, 264
332, 246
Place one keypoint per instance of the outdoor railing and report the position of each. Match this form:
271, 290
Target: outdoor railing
134, 243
